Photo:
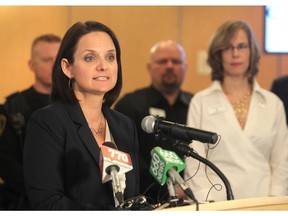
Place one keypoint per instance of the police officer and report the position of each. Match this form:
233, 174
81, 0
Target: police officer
14, 114
164, 98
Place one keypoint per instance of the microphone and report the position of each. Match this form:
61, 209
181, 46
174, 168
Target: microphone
162, 161
165, 162
113, 164
151, 124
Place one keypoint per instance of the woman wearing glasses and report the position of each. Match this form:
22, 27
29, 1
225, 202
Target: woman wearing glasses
252, 151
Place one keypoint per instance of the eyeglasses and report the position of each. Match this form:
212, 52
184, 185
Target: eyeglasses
239, 48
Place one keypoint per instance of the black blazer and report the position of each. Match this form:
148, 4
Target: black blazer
61, 159
280, 88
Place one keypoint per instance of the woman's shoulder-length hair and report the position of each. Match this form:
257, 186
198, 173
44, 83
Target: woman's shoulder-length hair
60, 87
221, 39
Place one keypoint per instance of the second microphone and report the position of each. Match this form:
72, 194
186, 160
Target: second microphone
151, 124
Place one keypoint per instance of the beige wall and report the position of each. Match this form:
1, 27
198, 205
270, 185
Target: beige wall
137, 28
19, 26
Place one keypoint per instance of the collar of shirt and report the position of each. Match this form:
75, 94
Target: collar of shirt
257, 90
156, 96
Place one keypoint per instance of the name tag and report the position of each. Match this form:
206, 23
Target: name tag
216, 109
157, 112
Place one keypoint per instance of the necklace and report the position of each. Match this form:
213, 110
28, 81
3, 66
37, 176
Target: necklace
240, 106
100, 128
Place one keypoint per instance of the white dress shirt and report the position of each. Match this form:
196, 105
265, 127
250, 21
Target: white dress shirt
254, 159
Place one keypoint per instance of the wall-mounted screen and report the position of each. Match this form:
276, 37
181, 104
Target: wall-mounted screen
276, 29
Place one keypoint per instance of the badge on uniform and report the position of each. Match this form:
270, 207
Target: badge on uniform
157, 112
2, 123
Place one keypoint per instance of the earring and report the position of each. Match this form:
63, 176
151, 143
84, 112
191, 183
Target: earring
70, 83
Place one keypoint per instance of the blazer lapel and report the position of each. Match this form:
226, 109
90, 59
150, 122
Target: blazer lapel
83, 130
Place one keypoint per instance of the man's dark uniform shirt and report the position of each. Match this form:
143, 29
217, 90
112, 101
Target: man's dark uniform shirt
280, 88
17, 109
139, 104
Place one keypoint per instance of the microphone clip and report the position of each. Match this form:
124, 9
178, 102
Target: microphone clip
159, 134
156, 126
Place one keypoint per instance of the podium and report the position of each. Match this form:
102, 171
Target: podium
277, 203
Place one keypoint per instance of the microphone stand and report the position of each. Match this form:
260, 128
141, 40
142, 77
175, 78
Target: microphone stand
173, 199
116, 185
184, 148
